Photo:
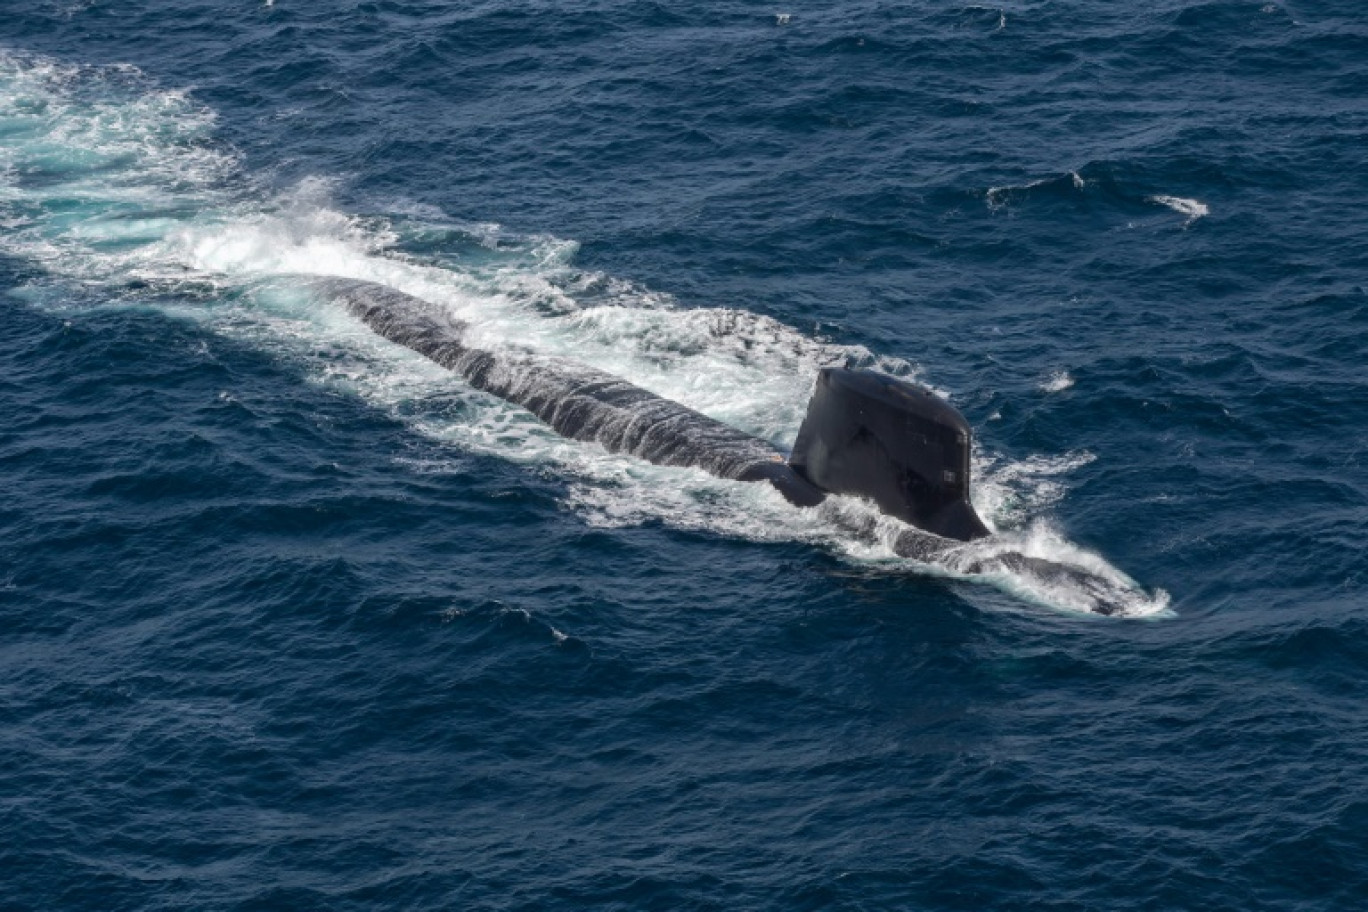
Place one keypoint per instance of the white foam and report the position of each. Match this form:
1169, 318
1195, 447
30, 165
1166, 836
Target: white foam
1008, 493
1193, 209
141, 195
1057, 382
1107, 589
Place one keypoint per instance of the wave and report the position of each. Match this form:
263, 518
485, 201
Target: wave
1192, 208
1094, 185
1057, 382
1058, 185
115, 188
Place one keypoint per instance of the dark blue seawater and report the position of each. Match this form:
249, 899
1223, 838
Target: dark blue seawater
292, 619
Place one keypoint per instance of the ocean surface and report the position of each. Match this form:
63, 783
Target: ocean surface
291, 618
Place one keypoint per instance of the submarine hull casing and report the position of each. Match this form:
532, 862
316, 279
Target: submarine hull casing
896, 443
574, 399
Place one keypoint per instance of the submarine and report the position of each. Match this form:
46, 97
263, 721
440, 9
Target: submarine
867, 435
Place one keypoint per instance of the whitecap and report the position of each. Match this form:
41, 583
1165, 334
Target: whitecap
1057, 382
1193, 209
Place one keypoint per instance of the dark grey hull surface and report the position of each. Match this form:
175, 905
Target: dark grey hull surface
576, 400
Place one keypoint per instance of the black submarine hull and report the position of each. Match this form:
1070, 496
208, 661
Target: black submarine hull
576, 400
